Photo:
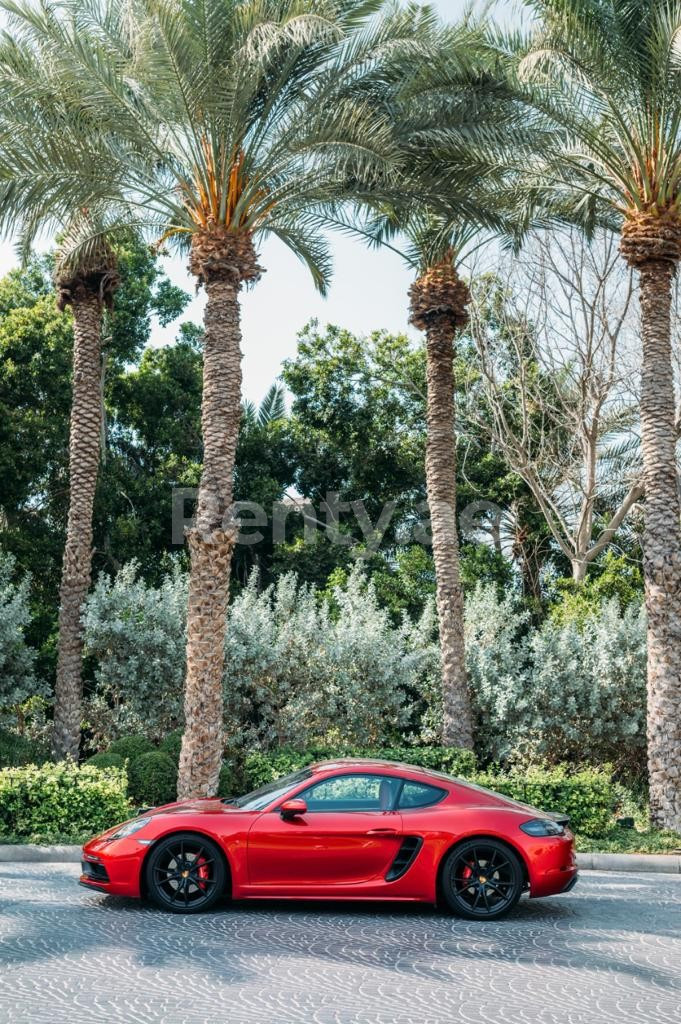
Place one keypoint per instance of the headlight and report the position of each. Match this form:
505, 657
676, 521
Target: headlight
128, 829
542, 827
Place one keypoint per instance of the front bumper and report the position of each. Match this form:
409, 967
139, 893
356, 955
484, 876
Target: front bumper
113, 866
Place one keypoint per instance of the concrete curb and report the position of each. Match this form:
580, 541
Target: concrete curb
668, 863
29, 853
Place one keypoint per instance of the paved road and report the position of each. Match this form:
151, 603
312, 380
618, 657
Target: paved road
610, 951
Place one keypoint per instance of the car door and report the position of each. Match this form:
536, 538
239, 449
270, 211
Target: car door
350, 834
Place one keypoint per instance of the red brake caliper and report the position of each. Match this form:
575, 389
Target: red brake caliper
203, 872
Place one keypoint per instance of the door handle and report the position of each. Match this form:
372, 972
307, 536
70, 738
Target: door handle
382, 832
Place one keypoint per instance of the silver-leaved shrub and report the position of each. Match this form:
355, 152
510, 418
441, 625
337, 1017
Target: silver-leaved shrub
297, 672
18, 681
136, 635
301, 671
572, 691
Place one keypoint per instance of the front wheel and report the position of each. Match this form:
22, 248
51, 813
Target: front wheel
185, 873
482, 879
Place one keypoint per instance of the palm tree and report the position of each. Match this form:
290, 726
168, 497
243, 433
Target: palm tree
233, 120
438, 306
38, 123
607, 73
457, 120
271, 408
87, 288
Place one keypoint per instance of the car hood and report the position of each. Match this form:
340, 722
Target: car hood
206, 805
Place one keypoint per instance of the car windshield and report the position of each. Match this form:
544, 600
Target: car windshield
261, 797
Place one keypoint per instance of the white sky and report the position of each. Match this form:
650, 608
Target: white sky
369, 290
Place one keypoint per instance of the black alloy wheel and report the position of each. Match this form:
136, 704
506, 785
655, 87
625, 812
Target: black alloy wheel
185, 873
482, 879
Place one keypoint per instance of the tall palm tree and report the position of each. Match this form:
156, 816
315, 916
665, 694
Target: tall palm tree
608, 74
438, 306
39, 123
458, 123
88, 287
238, 119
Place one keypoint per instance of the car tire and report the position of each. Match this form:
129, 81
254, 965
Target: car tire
185, 873
482, 879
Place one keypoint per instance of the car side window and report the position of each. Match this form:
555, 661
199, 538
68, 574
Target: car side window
352, 793
418, 794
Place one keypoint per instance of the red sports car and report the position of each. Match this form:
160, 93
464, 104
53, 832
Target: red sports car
347, 829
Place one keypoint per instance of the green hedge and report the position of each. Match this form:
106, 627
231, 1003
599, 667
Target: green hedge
16, 750
587, 795
152, 778
152, 771
130, 747
55, 800
106, 761
172, 744
260, 768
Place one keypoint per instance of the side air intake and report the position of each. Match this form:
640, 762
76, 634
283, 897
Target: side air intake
406, 855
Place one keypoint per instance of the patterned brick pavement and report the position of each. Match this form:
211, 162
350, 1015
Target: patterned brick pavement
607, 953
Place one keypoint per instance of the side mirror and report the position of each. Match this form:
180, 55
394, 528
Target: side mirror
292, 809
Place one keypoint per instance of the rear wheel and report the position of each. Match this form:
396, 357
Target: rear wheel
185, 873
482, 879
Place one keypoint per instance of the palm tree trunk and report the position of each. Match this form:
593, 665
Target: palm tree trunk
84, 449
457, 727
662, 546
211, 541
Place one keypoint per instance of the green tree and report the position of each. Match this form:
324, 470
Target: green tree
607, 74
358, 427
42, 124
36, 344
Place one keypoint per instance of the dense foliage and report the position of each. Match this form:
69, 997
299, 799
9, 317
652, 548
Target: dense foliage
48, 803
298, 669
305, 668
259, 767
18, 682
587, 796
566, 691
135, 635
16, 749
152, 778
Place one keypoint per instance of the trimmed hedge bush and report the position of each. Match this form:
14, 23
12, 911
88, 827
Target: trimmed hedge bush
588, 795
172, 744
55, 800
130, 747
152, 778
260, 768
106, 761
17, 750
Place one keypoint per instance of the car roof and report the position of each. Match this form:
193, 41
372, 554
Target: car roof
374, 764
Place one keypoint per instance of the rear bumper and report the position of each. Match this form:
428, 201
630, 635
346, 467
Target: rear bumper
553, 865
572, 883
